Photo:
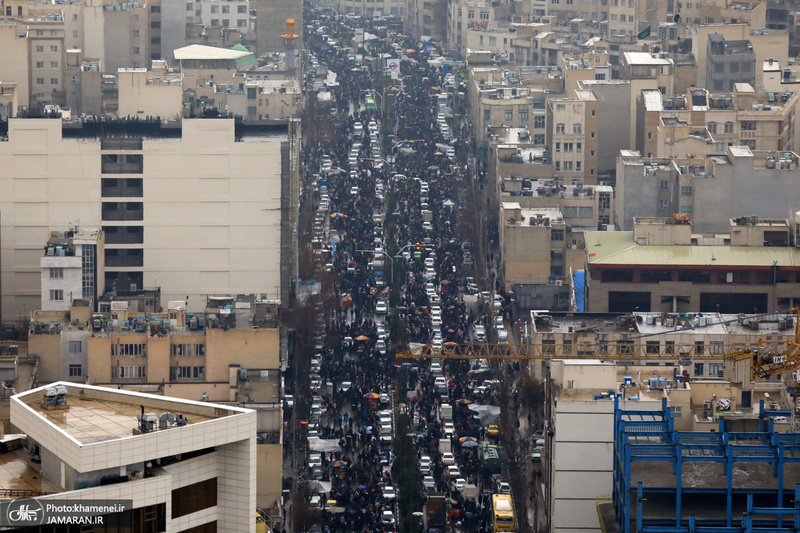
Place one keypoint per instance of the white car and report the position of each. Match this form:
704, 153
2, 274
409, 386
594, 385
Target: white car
448, 459
436, 311
460, 484
425, 464
381, 347
315, 459
429, 483
429, 262
440, 382
381, 331
354, 191
453, 472
436, 367
388, 492
504, 488
384, 398
437, 344
449, 430
381, 308
387, 518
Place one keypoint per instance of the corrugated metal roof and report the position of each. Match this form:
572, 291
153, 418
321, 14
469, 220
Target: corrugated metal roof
618, 248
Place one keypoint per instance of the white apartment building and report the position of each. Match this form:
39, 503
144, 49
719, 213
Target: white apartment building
212, 13
72, 264
188, 466
190, 208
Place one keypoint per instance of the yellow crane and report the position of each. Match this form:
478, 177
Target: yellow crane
766, 358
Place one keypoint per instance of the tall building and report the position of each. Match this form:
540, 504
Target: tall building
72, 268
190, 208
729, 62
185, 465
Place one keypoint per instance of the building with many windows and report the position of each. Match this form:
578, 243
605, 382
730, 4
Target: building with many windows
192, 207
73, 266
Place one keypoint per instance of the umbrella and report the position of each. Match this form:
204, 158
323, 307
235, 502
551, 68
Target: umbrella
438, 153
468, 514
362, 338
449, 501
450, 344
304, 422
470, 444
410, 51
338, 214
417, 513
362, 487
463, 401
339, 464
372, 396
433, 167
462, 440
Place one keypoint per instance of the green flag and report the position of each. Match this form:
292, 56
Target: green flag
644, 34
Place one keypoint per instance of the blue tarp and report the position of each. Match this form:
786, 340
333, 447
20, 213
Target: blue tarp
578, 280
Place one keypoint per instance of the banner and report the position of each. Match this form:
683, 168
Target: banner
393, 66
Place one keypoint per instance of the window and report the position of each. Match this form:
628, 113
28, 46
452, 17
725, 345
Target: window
53, 33
573, 211
663, 205
56, 295
226, 23
699, 369
241, 23
135, 33
187, 350
39, 33
74, 18
538, 139
663, 185
577, 165
557, 235
155, 40
40, 64
132, 349
155, 9
560, 107
567, 165
75, 33
75, 371
578, 147
136, 50
591, 153
558, 147
40, 48
471, 14
215, 22
129, 372
54, 64
686, 190
56, 273
676, 411
560, 128
712, 127
75, 346
729, 127
226, 10
39, 81
538, 122
53, 81
715, 369
189, 6
241, 9
484, 15
155, 24
54, 48
509, 114
192, 498
493, 41
568, 147
523, 114
653, 347
748, 125
558, 165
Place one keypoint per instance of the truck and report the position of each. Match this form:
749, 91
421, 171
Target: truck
437, 512
446, 413
445, 446
470, 492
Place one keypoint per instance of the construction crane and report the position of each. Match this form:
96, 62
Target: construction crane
766, 358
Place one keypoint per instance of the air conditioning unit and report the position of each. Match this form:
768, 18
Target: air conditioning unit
559, 283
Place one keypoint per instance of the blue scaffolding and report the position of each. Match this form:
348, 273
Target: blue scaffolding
668, 481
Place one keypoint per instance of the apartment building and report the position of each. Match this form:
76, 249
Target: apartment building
260, 100
513, 153
481, 15
374, 8
738, 183
146, 93
646, 71
184, 465
663, 266
723, 12
174, 211
729, 62
73, 265
513, 98
572, 136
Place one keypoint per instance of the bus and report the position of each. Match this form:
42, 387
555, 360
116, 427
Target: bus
502, 512
371, 104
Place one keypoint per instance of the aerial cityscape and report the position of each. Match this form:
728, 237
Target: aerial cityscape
400, 266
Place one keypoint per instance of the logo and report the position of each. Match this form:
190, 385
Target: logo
392, 64
26, 512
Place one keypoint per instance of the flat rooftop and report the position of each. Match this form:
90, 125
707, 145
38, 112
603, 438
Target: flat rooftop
17, 473
94, 414
619, 249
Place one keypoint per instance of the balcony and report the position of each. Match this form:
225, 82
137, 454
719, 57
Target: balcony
122, 164
122, 211
124, 234
121, 144
122, 188
124, 258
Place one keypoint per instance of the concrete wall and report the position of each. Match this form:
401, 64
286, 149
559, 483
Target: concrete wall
71, 284
270, 472
173, 27
14, 61
614, 121
139, 98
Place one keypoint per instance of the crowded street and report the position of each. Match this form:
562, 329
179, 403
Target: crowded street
391, 443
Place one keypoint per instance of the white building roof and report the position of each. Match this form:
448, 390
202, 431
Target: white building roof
645, 58
199, 51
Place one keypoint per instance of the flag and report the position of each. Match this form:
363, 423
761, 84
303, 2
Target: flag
644, 34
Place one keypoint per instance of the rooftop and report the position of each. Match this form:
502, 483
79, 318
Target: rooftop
94, 414
645, 58
199, 51
618, 248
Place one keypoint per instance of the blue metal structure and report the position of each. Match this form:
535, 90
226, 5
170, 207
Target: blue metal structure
715, 483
